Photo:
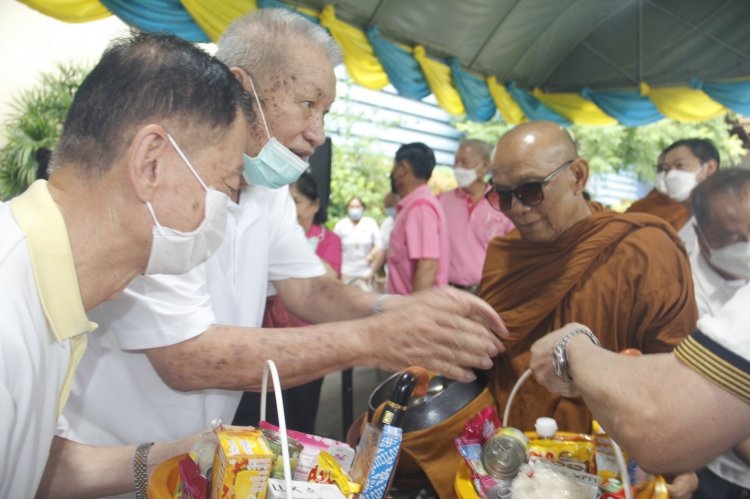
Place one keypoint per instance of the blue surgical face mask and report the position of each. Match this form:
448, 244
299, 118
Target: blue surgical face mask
275, 166
391, 212
356, 213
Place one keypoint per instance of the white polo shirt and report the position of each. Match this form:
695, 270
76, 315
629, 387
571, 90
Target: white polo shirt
117, 396
42, 334
357, 240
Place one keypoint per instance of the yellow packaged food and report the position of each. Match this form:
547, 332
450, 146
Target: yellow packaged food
242, 465
572, 450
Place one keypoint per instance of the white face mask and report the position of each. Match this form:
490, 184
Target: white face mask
676, 184
177, 252
733, 259
464, 176
275, 166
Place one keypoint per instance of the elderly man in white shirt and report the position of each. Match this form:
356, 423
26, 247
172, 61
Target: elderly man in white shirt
151, 146
206, 345
721, 266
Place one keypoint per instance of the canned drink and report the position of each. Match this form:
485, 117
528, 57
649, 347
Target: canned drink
505, 452
274, 442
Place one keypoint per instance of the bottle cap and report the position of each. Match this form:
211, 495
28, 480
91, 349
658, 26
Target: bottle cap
546, 427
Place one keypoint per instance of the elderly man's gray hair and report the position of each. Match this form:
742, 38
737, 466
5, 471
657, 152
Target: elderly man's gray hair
732, 183
482, 147
259, 42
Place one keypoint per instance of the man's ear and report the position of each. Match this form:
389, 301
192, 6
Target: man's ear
711, 167
580, 169
242, 77
145, 160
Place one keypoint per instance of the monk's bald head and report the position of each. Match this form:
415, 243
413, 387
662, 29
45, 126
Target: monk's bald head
540, 139
531, 153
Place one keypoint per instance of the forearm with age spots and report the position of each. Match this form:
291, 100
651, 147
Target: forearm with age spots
233, 358
324, 299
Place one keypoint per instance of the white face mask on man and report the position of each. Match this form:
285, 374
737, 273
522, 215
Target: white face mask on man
464, 176
677, 184
734, 259
177, 252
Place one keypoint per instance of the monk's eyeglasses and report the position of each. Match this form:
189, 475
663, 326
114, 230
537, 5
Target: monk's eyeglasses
529, 193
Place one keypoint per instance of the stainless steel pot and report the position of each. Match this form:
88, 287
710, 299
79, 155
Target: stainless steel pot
444, 398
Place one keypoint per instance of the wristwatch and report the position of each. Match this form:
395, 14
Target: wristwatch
140, 470
560, 356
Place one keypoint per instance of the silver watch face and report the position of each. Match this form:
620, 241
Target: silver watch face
558, 362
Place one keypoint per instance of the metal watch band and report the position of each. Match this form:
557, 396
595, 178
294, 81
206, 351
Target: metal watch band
560, 354
140, 470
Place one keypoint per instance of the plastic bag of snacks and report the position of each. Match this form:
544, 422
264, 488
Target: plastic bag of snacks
238, 462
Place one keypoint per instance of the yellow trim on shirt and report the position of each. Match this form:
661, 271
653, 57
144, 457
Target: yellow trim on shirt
714, 368
42, 223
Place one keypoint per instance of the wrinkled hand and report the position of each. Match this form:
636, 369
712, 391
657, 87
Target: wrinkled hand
541, 361
682, 486
446, 331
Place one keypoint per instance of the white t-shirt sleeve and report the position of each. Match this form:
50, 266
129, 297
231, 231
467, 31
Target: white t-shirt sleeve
159, 310
290, 255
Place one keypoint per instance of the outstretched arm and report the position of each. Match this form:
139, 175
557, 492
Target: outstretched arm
445, 331
669, 417
78, 471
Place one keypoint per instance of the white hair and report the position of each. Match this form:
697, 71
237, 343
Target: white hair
259, 42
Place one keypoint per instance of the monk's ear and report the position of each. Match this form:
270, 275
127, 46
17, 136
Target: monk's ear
145, 160
242, 76
580, 170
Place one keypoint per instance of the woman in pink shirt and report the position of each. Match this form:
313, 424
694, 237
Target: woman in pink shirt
326, 244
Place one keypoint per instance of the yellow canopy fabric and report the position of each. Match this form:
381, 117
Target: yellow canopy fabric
512, 112
575, 108
359, 57
440, 82
683, 104
214, 17
70, 11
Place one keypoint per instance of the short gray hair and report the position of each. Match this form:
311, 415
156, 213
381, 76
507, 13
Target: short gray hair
482, 147
258, 42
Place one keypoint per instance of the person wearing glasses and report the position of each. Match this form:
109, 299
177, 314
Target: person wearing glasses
418, 253
626, 276
472, 223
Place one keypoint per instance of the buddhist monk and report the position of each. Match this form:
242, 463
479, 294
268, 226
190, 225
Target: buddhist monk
567, 260
572, 260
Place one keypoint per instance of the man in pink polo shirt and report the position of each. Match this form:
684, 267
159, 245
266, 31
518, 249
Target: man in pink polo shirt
418, 253
472, 222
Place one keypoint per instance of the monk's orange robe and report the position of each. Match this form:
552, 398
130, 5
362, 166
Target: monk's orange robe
675, 213
625, 276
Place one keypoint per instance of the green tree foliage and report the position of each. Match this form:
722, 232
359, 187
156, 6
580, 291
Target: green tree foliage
617, 148
358, 168
35, 121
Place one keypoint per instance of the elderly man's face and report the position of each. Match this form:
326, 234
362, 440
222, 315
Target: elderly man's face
219, 165
548, 220
295, 103
729, 222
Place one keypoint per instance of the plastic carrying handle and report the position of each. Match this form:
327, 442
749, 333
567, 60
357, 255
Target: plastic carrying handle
619, 457
271, 367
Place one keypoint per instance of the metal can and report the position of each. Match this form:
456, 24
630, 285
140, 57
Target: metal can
505, 452
274, 442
